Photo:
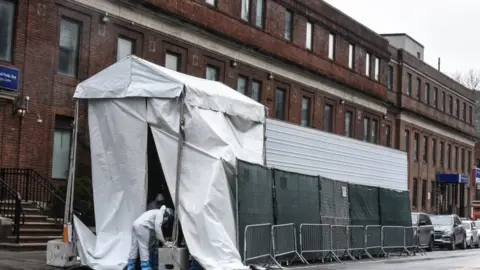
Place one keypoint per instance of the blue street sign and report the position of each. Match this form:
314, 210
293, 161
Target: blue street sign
452, 178
9, 78
477, 175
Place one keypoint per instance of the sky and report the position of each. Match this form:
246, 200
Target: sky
446, 30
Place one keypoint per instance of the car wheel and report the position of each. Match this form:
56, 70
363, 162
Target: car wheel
477, 245
452, 245
471, 243
464, 243
430, 244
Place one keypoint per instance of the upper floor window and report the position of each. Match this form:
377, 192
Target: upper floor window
415, 147
309, 36
388, 136
427, 93
259, 14
212, 73
464, 111
377, 69
442, 153
425, 149
331, 46
288, 25
366, 129
450, 104
462, 159
68, 47
328, 118
409, 84
419, 88
435, 97
457, 111
7, 11
211, 2
434, 152
443, 101
390, 78
242, 84
172, 61
449, 156
256, 90
373, 136
348, 124
407, 141
455, 158
351, 56
280, 103
470, 116
367, 64
306, 111
253, 91
124, 48
245, 11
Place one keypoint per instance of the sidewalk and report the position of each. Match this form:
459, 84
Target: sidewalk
31, 260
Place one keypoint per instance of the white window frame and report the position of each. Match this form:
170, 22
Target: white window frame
351, 56
377, 69
309, 36
245, 84
288, 31
178, 62
368, 59
245, 10
124, 41
259, 13
211, 2
217, 71
73, 70
331, 46
10, 28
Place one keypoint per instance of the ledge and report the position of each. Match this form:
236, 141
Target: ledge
8, 95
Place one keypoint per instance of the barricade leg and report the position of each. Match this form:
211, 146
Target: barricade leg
257, 244
317, 239
284, 240
373, 241
411, 241
357, 241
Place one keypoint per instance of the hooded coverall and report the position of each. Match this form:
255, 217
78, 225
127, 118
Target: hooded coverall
152, 244
148, 221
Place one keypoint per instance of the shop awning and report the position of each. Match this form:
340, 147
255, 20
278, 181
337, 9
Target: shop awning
452, 178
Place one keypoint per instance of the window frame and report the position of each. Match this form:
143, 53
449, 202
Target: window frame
79, 42
288, 25
427, 93
419, 88
388, 135
352, 123
368, 60
246, 17
390, 77
214, 63
434, 152
331, 46
259, 22
377, 64
366, 129
329, 103
351, 56
309, 35
442, 153
131, 40
311, 97
415, 193
11, 52
174, 49
408, 90
435, 97
286, 88
416, 146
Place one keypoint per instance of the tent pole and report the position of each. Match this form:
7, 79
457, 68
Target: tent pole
74, 161
181, 140
265, 138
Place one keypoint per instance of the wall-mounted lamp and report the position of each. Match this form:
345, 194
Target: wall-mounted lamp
234, 63
342, 101
105, 18
384, 116
19, 110
270, 76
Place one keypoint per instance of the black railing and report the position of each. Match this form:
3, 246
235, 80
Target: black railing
34, 188
11, 207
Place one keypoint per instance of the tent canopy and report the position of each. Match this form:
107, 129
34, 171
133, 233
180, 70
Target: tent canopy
136, 77
133, 97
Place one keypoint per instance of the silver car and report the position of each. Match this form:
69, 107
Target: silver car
449, 231
424, 230
472, 233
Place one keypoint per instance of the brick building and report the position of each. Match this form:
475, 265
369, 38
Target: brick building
307, 62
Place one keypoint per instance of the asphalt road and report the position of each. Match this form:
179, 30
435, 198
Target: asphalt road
437, 260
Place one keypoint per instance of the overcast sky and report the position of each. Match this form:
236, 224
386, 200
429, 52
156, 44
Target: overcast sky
447, 29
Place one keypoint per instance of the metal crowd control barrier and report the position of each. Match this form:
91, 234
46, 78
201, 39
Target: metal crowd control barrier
317, 239
393, 238
373, 240
328, 220
357, 241
340, 241
411, 240
257, 243
284, 239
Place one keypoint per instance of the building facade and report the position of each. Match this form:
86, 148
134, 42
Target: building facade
307, 62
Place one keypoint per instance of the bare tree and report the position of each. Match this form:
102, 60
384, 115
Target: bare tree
470, 79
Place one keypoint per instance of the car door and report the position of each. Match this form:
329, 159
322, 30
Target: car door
458, 230
423, 230
474, 233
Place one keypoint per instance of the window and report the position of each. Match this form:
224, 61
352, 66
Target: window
288, 25
464, 112
415, 192
435, 96
328, 118
280, 102
442, 153
348, 124
367, 64
409, 84
470, 114
457, 111
388, 136
469, 161
427, 93
211, 73
309, 36
373, 137
390, 77
242, 85
415, 147
377, 69
172, 61
245, 13
7, 11
456, 158
256, 90
419, 88
462, 159
211, 2
433, 194
424, 193
425, 149
124, 48
407, 142
443, 101
331, 46
434, 152
305, 121
450, 105
259, 14
69, 41
449, 156
366, 129
351, 56
61, 147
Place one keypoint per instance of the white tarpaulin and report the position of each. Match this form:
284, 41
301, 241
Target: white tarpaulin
127, 99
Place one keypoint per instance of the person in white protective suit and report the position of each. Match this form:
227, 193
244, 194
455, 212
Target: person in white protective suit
148, 221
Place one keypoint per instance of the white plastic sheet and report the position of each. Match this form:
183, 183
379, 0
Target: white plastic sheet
220, 126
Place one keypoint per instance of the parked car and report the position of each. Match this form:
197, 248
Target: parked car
472, 233
425, 231
449, 232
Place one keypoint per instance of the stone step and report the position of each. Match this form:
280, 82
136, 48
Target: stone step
23, 246
41, 225
40, 232
32, 239
29, 218
26, 210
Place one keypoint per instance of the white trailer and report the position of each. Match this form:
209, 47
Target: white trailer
313, 152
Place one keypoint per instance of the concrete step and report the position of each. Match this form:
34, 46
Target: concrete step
41, 225
40, 232
30, 218
26, 210
23, 246
31, 239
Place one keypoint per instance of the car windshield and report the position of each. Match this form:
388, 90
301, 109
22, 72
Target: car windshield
466, 225
477, 223
441, 220
414, 219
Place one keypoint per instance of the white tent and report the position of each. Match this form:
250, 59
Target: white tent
220, 125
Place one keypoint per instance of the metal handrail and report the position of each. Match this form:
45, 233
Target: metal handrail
8, 194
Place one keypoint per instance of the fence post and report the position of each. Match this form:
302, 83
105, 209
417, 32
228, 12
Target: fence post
27, 186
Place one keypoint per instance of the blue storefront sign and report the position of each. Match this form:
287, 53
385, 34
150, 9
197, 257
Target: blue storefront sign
452, 178
9, 78
477, 175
